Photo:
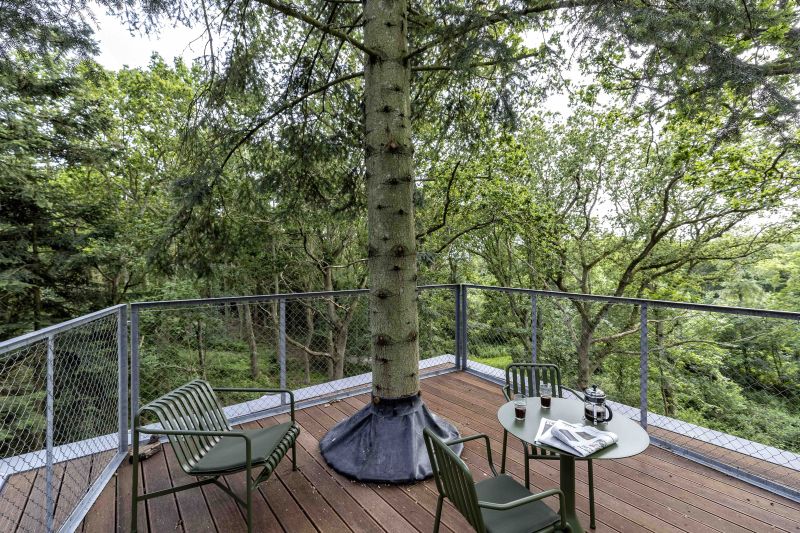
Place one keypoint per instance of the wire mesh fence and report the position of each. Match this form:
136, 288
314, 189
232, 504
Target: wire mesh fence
437, 326
60, 401
726, 387
722, 387
317, 345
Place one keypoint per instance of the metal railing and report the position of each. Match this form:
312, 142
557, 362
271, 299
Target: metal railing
63, 399
315, 343
318, 345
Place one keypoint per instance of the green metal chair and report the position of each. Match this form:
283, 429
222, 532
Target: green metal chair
492, 505
207, 447
524, 378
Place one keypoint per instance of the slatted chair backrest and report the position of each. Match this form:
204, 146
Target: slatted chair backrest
453, 479
193, 406
524, 378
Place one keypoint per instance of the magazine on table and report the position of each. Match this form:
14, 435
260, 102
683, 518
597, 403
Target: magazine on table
573, 438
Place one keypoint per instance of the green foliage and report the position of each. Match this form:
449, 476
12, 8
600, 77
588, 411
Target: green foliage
672, 175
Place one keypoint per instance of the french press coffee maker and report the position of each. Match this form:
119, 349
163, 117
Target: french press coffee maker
595, 410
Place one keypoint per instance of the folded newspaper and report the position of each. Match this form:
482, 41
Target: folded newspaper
573, 438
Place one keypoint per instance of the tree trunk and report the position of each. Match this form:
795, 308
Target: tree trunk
340, 350
276, 289
383, 441
329, 359
390, 186
584, 351
310, 327
667, 394
251, 340
201, 347
37, 290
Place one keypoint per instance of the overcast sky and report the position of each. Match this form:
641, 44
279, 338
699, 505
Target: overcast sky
119, 48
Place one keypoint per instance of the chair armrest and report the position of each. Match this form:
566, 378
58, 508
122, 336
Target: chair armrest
507, 392
250, 389
248, 443
488, 447
529, 499
193, 432
573, 391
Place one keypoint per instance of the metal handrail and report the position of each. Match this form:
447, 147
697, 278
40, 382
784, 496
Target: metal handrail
709, 308
44, 333
268, 297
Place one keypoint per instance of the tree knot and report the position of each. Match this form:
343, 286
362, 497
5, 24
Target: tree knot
382, 340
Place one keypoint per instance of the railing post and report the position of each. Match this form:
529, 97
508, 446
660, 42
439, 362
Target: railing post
457, 294
49, 414
534, 325
282, 345
134, 364
122, 362
464, 329
643, 366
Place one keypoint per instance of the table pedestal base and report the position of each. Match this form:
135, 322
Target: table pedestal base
567, 469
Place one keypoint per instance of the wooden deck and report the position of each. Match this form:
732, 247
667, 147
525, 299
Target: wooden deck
655, 491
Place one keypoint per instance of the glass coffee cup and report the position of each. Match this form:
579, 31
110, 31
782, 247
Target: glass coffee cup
546, 394
520, 406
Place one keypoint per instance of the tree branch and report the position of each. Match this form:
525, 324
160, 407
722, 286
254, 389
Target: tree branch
479, 225
283, 107
446, 207
500, 16
615, 336
306, 349
292, 12
500, 61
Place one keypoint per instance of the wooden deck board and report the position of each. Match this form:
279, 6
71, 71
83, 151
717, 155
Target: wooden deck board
380, 511
32, 517
73, 487
655, 491
13, 498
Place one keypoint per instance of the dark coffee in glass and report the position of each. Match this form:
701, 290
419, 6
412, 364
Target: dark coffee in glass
546, 401
597, 416
520, 403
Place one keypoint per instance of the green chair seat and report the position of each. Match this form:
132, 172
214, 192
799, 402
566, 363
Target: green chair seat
533, 516
229, 453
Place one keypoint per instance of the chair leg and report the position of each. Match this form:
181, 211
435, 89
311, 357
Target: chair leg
294, 455
135, 482
503, 460
591, 495
249, 505
527, 466
438, 518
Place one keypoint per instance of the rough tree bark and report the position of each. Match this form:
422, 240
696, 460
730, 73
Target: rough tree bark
201, 347
383, 442
390, 186
310, 327
667, 394
251, 340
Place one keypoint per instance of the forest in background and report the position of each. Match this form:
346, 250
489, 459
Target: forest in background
102, 202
